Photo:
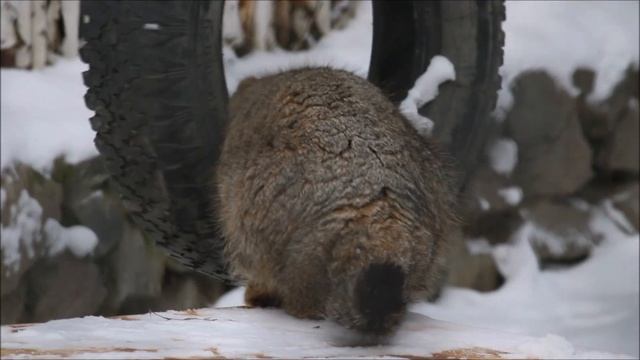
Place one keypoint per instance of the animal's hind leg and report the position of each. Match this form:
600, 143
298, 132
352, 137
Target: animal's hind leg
259, 295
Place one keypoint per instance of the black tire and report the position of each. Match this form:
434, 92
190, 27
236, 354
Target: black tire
156, 83
407, 34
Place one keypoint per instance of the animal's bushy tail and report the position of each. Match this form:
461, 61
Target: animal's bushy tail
379, 297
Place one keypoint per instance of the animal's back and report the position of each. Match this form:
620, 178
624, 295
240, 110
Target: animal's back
332, 205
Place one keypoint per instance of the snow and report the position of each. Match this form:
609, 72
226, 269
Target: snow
478, 246
557, 243
424, 90
80, 240
23, 232
560, 36
593, 305
43, 115
232, 298
503, 155
511, 195
484, 204
259, 333
26, 229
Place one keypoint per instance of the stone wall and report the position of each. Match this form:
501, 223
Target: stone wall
554, 161
69, 249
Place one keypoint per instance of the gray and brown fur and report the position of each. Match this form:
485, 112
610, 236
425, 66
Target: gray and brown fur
331, 204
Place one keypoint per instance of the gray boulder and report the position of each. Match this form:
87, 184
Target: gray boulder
136, 269
103, 213
65, 287
561, 232
621, 149
628, 202
12, 309
473, 270
496, 226
554, 157
623, 197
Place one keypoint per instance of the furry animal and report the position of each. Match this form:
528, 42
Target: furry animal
331, 204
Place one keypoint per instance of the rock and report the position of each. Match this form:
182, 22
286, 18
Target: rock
64, 287
79, 181
135, 303
125, 272
18, 255
561, 232
616, 104
44, 190
624, 197
497, 227
583, 79
594, 121
103, 213
554, 157
180, 292
12, 309
621, 150
210, 288
482, 193
611, 126
627, 202
29, 198
473, 269
136, 267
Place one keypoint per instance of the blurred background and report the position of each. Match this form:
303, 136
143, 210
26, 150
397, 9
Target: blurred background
551, 217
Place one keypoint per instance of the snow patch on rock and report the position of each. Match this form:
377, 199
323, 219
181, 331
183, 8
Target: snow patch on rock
484, 204
23, 231
511, 195
424, 90
503, 155
478, 246
3, 197
80, 240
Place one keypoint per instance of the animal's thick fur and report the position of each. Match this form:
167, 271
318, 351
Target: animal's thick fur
328, 199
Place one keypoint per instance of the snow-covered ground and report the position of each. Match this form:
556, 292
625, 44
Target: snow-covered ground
235, 333
593, 305
549, 313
